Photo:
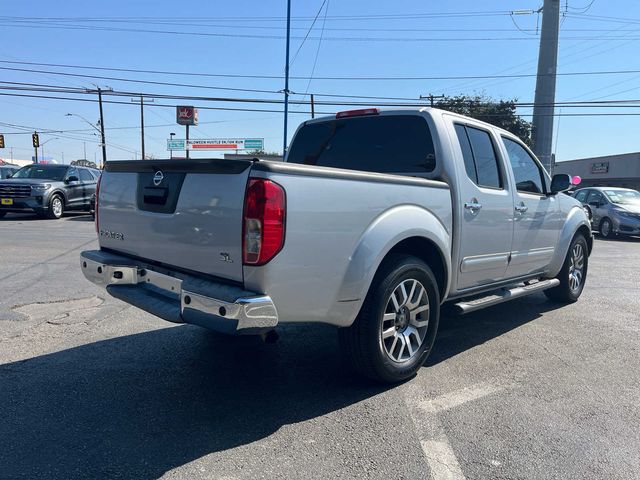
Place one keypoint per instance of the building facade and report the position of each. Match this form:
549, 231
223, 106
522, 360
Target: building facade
621, 170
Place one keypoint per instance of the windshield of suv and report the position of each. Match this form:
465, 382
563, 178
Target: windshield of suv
44, 172
623, 196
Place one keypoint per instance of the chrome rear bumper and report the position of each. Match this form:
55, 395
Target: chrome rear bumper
178, 297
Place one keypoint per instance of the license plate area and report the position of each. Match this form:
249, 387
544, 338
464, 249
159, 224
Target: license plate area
6, 201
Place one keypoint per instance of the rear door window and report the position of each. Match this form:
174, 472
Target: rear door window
581, 196
386, 144
479, 155
86, 176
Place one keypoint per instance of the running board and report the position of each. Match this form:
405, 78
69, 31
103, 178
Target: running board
503, 295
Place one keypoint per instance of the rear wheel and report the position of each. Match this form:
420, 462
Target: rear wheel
573, 273
56, 207
606, 228
395, 330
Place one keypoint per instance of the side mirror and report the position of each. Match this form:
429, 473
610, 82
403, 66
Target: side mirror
560, 183
72, 178
9, 175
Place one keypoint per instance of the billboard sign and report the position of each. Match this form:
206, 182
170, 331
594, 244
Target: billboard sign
219, 144
186, 115
600, 167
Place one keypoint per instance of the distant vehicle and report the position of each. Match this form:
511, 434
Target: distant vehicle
7, 170
48, 190
613, 211
373, 220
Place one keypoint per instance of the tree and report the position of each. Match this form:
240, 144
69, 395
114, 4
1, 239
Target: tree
259, 152
501, 113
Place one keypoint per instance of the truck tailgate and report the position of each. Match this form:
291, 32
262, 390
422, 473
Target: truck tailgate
183, 213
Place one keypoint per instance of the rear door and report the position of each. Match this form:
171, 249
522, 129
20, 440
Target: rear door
183, 213
536, 215
597, 203
485, 205
88, 186
73, 188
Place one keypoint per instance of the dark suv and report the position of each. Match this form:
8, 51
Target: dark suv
7, 169
48, 190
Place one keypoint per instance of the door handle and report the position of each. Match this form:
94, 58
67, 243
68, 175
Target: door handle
522, 208
473, 206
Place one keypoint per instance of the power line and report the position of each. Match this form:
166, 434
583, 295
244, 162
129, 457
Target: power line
295, 77
309, 31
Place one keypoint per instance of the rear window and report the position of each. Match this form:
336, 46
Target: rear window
387, 144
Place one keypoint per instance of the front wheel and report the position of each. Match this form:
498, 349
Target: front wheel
393, 334
56, 207
573, 273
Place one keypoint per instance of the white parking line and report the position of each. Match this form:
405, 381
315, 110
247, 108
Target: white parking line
442, 461
458, 397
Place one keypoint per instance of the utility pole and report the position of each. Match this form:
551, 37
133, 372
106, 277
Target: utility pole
104, 145
142, 119
431, 98
543, 109
286, 79
142, 123
313, 113
186, 142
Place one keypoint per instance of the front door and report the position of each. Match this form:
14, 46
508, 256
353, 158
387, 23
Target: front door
486, 222
537, 218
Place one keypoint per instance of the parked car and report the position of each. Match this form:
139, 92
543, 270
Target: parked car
48, 190
6, 170
372, 222
612, 210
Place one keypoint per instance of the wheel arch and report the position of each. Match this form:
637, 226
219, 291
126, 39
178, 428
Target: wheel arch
427, 238
576, 222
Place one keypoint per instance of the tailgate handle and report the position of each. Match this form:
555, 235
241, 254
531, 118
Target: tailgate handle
156, 195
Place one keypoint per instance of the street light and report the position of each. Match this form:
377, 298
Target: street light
44, 143
101, 144
171, 135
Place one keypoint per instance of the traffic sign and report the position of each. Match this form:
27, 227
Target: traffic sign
175, 145
186, 115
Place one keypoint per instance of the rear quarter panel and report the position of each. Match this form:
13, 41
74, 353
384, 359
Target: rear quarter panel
338, 231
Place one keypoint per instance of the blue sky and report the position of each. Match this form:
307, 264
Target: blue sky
372, 38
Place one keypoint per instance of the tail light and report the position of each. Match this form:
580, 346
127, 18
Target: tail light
95, 206
263, 221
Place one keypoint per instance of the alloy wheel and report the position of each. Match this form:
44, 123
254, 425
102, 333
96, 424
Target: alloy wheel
576, 267
405, 320
56, 206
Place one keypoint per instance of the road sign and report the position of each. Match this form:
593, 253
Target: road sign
224, 144
175, 145
186, 115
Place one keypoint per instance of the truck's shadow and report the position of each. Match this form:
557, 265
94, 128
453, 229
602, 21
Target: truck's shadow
457, 334
139, 405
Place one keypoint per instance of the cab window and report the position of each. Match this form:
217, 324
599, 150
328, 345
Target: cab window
527, 172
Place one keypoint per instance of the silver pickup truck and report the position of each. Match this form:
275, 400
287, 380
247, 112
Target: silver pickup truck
375, 219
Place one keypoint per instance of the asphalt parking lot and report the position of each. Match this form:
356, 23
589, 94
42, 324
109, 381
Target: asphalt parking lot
93, 388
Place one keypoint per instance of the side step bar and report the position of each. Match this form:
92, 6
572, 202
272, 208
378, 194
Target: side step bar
503, 295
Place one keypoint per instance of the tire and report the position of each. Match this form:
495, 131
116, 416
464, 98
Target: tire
572, 277
405, 318
56, 207
606, 229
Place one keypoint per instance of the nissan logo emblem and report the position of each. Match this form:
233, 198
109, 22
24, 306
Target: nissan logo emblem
157, 178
